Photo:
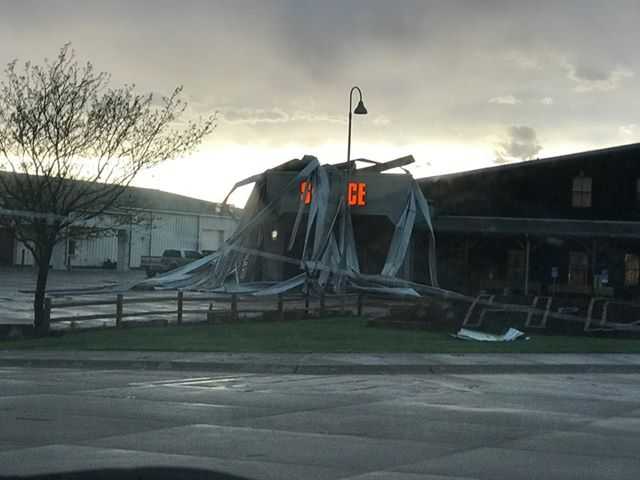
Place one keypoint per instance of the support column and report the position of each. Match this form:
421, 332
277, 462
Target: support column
527, 255
467, 268
58, 257
594, 264
123, 251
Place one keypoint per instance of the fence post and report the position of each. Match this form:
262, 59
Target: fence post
234, 307
322, 305
360, 304
47, 310
280, 307
118, 309
306, 297
180, 300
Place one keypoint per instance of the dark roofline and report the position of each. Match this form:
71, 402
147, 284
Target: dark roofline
160, 200
176, 196
539, 161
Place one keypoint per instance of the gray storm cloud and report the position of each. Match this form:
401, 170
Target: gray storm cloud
521, 144
456, 72
590, 78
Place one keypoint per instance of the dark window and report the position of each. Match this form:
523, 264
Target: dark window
172, 253
191, 254
581, 193
578, 269
631, 270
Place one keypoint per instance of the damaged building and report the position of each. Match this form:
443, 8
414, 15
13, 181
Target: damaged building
566, 225
332, 227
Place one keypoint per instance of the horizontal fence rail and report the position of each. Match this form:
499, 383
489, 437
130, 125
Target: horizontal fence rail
236, 304
230, 306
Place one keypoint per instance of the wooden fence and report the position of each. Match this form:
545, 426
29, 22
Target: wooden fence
231, 306
187, 304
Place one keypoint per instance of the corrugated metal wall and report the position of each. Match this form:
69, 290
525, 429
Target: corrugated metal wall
93, 252
173, 231
213, 233
28, 257
162, 232
57, 257
140, 237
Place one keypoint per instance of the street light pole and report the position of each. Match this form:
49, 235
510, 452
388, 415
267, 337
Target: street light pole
360, 110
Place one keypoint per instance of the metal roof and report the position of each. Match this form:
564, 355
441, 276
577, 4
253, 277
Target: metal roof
152, 199
535, 163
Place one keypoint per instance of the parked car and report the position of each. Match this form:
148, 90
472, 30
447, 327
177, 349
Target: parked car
169, 260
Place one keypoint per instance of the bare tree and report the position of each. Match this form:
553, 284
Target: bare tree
70, 145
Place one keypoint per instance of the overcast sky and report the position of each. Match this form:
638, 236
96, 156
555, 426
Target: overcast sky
458, 84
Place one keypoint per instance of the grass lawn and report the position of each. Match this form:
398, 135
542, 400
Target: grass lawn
320, 335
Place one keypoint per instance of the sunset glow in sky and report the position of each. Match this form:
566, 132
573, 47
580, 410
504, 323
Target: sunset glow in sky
457, 84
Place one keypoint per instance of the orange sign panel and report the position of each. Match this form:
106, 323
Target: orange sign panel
305, 192
356, 193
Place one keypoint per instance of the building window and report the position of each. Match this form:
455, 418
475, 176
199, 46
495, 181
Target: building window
581, 194
631, 270
578, 269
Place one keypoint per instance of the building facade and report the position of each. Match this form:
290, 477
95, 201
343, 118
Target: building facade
164, 221
561, 225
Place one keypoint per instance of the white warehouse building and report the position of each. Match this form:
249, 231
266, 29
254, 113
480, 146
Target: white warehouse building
165, 221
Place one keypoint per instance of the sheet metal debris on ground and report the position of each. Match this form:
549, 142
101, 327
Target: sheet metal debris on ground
509, 336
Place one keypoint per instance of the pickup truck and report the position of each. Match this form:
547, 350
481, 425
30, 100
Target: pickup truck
169, 260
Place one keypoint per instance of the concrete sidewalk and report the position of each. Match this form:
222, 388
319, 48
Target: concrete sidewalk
328, 363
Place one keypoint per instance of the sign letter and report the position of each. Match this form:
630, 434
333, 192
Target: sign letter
305, 192
357, 194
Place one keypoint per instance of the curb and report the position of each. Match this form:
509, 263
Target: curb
318, 369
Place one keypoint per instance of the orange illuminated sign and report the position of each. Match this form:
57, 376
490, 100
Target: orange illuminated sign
305, 192
356, 193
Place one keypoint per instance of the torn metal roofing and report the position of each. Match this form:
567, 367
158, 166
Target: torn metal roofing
318, 204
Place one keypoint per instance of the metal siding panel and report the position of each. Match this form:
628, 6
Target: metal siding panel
214, 231
169, 231
140, 236
209, 233
93, 252
174, 231
28, 256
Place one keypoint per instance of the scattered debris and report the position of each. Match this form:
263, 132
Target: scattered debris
509, 336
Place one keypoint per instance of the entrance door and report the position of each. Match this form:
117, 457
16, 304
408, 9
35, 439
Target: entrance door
6, 246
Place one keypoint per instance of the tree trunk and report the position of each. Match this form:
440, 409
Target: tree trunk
41, 319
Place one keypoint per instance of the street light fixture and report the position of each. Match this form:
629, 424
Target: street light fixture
360, 110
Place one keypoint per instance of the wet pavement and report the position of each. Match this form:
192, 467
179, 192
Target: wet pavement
16, 289
322, 426
87, 285
16, 299
329, 363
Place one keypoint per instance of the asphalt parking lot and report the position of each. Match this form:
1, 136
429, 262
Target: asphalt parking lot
16, 287
16, 297
324, 427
